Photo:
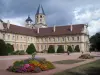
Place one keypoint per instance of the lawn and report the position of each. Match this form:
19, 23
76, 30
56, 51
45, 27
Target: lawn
68, 61
92, 68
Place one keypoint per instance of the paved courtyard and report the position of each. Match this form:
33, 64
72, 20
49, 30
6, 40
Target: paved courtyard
6, 61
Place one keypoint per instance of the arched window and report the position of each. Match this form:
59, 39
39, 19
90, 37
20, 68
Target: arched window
40, 16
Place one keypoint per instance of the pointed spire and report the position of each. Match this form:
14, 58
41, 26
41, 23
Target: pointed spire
40, 10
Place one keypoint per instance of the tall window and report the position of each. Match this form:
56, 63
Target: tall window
78, 38
40, 16
3, 36
8, 36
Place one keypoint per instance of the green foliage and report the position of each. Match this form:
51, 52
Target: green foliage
70, 49
60, 49
3, 48
77, 49
95, 42
50, 65
51, 49
18, 52
10, 48
31, 49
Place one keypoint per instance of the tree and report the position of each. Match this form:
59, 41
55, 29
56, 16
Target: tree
70, 49
77, 49
31, 49
51, 49
10, 48
60, 49
95, 42
3, 48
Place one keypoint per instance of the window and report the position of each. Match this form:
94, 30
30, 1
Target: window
8, 36
40, 16
40, 20
72, 38
3, 36
78, 38
13, 37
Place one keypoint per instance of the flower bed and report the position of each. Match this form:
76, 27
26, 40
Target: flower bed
34, 65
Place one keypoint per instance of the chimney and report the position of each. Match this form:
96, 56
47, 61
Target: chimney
8, 24
71, 27
38, 30
54, 28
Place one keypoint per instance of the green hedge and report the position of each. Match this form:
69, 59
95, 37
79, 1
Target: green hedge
70, 49
31, 49
51, 49
3, 48
60, 49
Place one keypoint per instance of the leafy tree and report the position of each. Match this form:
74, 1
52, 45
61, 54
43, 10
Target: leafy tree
70, 49
77, 49
3, 48
51, 49
31, 49
10, 48
60, 49
95, 42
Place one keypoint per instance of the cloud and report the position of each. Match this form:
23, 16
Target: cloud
58, 12
88, 15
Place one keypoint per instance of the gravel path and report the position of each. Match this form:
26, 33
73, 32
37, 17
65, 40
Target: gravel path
6, 61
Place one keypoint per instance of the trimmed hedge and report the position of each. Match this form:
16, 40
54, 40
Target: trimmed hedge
10, 48
77, 49
60, 49
51, 49
70, 49
31, 49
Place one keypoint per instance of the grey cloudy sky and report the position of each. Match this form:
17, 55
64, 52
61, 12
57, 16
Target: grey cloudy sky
58, 12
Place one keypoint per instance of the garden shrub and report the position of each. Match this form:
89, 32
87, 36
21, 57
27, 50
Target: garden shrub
18, 52
31, 49
51, 49
70, 49
60, 49
77, 49
10, 48
3, 48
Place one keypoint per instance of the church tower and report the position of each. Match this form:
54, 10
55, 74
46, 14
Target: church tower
40, 21
28, 22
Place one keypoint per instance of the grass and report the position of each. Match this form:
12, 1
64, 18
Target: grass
68, 61
92, 68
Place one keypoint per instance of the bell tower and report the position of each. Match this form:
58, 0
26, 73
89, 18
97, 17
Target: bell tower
40, 20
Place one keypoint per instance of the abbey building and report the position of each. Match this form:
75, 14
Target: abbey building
42, 36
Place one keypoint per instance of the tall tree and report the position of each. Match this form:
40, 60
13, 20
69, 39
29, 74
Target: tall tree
31, 49
95, 42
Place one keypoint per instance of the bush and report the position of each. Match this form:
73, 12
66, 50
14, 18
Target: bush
18, 52
3, 48
60, 49
31, 49
77, 49
51, 49
86, 56
70, 49
10, 48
